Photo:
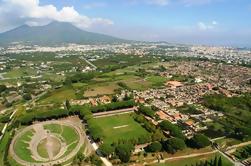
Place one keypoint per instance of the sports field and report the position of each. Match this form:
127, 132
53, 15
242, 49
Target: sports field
119, 127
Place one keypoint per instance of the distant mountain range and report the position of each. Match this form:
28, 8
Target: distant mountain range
55, 33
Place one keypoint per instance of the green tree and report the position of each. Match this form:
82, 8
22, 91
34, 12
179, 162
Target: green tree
114, 98
78, 159
174, 130
27, 96
95, 160
67, 104
200, 141
220, 161
172, 145
154, 147
124, 152
215, 161
147, 111
2, 88
106, 149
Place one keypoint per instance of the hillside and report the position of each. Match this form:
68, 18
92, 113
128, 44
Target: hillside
54, 33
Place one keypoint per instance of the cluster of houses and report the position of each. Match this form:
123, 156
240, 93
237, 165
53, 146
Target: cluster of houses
93, 101
176, 95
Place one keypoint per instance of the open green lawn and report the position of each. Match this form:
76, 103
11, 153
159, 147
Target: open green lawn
21, 72
193, 160
59, 95
156, 80
21, 146
120, 127
227, 142
68, 133
53, 128
79, 85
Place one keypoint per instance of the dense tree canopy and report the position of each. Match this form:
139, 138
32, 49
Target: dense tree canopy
106, 149
200, 141
113, 106
154, 147
27, 96
147, 111
172, 145
174, 130
124, 152
2, 88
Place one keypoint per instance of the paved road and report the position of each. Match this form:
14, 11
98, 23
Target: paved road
105, 160
95, 67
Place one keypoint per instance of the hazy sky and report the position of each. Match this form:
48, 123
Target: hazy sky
226, 22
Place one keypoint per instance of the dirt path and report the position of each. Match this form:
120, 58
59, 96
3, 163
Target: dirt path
181, 157
238, 145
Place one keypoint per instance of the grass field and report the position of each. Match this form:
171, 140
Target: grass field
54, 128
193, 160
21, 72
156, 80
106, 88
59, 95
21, 146
3, 145
119, 127
68, 133
227, 142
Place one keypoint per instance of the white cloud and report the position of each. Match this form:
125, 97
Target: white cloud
95, 5
215, 23
207, 26
17, 12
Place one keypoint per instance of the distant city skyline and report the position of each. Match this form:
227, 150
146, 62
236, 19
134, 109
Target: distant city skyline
213, 22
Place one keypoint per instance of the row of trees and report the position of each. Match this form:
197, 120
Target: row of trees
122, 151
171, 145
147, 111
174, 130
243, 153
80, 77
174, 144
85, 113
113, 106
36, 115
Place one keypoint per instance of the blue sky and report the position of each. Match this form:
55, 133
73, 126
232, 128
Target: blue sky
214, 22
